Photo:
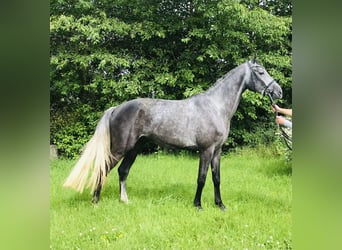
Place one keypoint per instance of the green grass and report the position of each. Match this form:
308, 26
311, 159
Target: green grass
255, 187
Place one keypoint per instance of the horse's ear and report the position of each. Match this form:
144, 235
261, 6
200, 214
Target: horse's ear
254, 58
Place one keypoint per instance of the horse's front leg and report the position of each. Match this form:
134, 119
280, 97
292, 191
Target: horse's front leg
215, 168
205, 158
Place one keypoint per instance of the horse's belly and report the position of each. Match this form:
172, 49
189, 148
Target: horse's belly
177, 137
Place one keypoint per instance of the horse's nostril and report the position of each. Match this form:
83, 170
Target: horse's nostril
280, 94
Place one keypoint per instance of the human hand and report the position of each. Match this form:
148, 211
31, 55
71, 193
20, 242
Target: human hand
275, 108
280, 120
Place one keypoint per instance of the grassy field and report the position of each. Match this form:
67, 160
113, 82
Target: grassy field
255, 187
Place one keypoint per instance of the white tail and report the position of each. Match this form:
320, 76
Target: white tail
96, 156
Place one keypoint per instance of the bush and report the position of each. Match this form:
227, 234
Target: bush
71, 130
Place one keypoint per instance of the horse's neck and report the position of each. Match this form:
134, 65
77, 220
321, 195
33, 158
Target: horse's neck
226, 92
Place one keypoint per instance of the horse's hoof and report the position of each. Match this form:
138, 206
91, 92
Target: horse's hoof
125, 201
199, 208
222, 207
95, 200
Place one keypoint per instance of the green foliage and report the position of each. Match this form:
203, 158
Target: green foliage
104, 53
68, 133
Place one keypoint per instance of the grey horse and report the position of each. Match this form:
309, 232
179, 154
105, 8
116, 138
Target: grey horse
200, 122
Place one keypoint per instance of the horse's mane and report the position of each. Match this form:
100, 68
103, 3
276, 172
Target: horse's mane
222, 79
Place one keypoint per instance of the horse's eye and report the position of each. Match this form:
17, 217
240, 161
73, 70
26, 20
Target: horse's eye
260, 71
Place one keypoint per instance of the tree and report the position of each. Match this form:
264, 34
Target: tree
104, 53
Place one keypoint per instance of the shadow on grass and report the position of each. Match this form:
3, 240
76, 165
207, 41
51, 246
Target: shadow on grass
277, 168
253, 198
158, 194
163, 193
76, 199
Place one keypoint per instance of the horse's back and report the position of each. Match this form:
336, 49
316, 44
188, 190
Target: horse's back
189, 123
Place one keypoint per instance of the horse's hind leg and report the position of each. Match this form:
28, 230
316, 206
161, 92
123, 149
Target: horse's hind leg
123, 171
97, 192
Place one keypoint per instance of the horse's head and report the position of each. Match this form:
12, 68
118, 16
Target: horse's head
260, 81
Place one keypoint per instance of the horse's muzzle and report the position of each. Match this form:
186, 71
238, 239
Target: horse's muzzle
276, 92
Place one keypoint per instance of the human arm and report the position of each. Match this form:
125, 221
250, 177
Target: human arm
281, 110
